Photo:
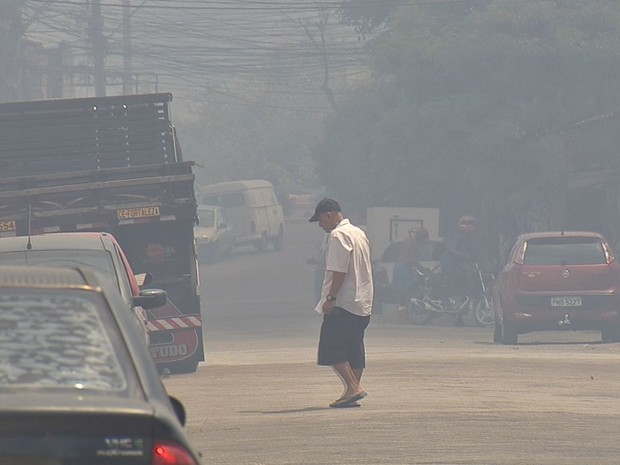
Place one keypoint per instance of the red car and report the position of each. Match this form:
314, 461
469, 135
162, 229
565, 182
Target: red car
563, 280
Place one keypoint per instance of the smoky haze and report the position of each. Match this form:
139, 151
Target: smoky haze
503, 110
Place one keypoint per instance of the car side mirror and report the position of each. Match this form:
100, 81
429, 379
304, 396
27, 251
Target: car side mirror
179, 409
144, 279
150, 298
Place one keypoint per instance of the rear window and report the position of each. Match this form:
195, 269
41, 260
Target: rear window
564, 251
61, 341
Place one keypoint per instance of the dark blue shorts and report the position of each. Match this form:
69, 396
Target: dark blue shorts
342, 339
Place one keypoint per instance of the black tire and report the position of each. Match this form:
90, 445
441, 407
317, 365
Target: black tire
278, 241
497, 333
187, 366
261, 245
418, 315
611, 334
509, 334
211, 254
206, 254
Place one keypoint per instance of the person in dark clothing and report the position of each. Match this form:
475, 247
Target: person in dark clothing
457, 261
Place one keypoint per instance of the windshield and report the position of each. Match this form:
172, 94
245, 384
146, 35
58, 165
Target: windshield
569, 251
60, 340
207, 218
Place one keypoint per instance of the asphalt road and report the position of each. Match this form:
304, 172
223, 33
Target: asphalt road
436, 394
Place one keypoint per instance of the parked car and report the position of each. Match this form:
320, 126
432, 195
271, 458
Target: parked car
253, 209
561, 280
214, 234
428, 253
76, 384
99, 251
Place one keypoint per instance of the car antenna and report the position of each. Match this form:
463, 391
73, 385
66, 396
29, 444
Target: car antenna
29, 244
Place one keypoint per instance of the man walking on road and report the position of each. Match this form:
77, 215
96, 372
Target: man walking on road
346, 300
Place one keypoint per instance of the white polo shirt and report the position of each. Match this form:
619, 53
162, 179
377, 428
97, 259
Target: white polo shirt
348, 251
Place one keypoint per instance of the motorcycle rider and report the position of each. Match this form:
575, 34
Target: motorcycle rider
402, 279
456, 261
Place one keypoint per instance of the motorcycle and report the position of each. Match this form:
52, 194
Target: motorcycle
436, 296
433, 300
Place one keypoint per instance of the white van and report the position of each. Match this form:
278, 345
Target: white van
253, 210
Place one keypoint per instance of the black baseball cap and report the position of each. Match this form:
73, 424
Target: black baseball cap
324, 206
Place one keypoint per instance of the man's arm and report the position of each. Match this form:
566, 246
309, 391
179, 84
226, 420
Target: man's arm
337, 280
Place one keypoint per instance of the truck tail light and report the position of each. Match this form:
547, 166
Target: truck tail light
170, 453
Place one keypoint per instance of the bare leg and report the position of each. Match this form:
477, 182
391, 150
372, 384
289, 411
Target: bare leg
357, 372
349, 378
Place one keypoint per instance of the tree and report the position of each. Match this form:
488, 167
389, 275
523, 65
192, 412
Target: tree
466, 108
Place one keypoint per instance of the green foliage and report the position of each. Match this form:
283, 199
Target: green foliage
479, 107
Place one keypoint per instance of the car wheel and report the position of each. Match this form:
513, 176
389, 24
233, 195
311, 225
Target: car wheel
229, 250
509, 334
497, 333
611, 334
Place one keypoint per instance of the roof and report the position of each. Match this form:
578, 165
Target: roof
34, 276
233, 186
58, 241
544, 234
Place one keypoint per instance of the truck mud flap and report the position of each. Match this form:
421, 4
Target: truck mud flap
176, 339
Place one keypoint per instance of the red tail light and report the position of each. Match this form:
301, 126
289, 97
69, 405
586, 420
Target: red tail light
169, 453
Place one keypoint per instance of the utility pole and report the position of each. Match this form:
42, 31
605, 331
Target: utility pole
11, 31
127, 88
99, 45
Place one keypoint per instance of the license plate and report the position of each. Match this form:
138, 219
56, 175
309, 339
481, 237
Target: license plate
566, 301
7, 225
142, 212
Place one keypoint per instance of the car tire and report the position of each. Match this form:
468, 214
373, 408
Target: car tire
509, 334
497, 332
611, 334
211, 254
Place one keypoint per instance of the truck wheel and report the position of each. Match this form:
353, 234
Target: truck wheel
261, 244
278, 241
186, 366
611, 334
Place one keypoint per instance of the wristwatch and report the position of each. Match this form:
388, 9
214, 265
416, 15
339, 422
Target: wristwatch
331, 298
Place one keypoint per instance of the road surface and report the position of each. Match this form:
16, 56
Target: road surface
436, 394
